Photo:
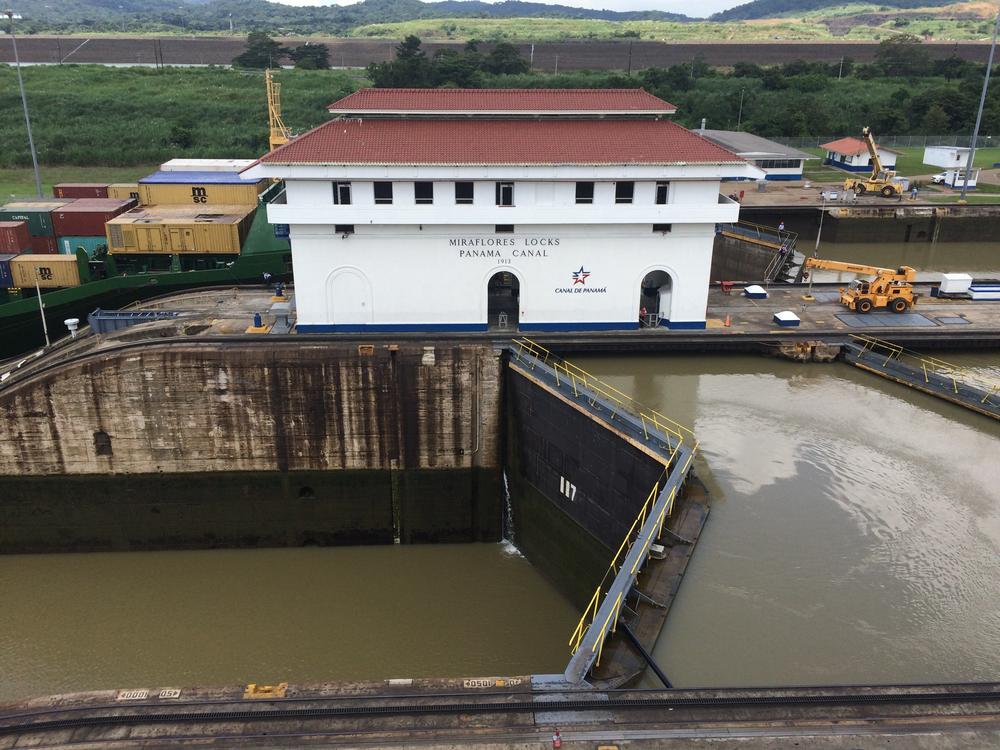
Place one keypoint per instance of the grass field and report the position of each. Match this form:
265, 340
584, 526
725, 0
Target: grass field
909, 163
87, 115
20, 183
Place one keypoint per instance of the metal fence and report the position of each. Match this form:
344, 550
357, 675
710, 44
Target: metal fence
985, 141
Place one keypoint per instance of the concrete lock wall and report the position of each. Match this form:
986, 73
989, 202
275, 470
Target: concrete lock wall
208, 444
575, 486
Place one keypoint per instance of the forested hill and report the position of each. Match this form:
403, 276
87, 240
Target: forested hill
774, 8
214, 15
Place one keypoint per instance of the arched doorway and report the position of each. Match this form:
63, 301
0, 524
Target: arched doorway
348, 297
503, 301
655, 294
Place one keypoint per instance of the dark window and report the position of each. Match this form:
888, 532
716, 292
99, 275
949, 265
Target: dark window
383, 192
464, 192
661, 228
504, 228
423, 192
505, 193
584, 192
624, 192
341, 193
343, 228
662, 193
102, 444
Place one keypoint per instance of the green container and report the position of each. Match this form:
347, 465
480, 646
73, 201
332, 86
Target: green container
38, 214
69, 245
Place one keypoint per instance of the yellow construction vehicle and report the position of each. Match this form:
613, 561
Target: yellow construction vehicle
882, 181
279, 134
890, 288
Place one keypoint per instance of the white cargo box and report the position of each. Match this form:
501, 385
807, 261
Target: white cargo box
985, 292
786, 319
755, 292
955, 283
206, 165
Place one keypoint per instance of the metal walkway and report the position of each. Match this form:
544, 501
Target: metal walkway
672, 444
933, 376
776, 240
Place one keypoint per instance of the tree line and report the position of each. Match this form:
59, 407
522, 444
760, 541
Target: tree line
902, 92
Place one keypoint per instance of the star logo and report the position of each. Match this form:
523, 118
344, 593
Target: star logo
580, 277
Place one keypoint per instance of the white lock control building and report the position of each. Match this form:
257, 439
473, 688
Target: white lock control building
459, 210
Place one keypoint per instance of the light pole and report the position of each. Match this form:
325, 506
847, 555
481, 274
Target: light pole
739, 117
979, 114
11, 17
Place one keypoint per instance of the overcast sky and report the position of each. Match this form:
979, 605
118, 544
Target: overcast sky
703, 8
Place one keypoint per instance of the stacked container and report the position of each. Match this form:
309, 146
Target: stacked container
6, 276
81, 223
38, 215
48, 271
206, 165
14, 237
80, 190
124, 190
199, 189
208, 230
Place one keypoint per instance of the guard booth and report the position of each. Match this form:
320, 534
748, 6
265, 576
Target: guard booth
953, 160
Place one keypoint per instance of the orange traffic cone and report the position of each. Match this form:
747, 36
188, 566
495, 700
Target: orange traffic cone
728, 321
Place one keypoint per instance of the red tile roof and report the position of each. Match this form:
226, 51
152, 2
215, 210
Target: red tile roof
851, 147
475, 142
501, 100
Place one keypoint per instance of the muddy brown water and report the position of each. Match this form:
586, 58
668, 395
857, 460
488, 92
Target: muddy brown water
174, 619
855, 527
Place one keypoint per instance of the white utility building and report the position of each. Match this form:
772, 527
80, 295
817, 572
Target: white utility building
851, 155
954, 160
778, 161
463, 209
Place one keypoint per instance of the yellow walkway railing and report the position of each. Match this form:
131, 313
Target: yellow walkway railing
929, 366
579, 378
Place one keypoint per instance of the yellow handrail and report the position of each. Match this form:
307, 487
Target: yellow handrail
577, 376
928, 365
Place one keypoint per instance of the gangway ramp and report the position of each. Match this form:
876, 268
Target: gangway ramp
673, 445
947, 381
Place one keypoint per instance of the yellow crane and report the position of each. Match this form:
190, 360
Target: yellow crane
880, 180
279, 134
891, 288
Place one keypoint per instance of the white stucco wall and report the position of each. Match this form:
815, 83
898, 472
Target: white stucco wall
406, 278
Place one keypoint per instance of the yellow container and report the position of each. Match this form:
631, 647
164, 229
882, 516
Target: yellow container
124, 190
196, 194
50, 271
180, 229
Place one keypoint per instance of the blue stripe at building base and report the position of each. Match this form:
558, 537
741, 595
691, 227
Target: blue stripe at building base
626, 326
390, 327
684, 325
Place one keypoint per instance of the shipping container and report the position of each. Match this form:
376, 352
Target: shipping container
50, 271
6, 277
206, 165
180, 229
38, 214
43, 246
124, 190
14, 237
87, 217
69, 245
80, 190
199, 189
